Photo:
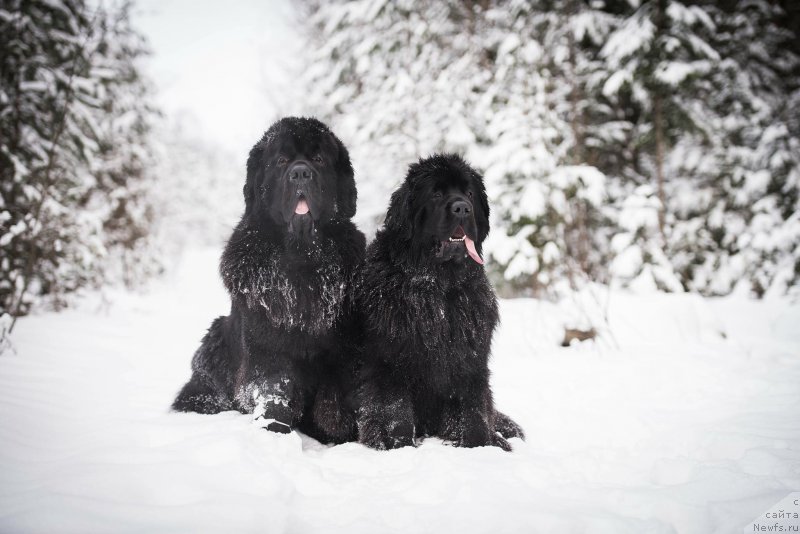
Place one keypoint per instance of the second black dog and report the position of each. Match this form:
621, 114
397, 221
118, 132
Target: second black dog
429, 313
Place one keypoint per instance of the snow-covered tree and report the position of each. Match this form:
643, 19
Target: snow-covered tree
748, 228
73, 148
551, 226
661, 69
708, 85
653, 142
709, 110
122, 194
401, 80
46, 74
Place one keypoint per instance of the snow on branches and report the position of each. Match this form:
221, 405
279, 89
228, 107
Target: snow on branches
74, 154
650, 144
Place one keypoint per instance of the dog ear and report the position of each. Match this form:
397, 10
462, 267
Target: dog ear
482, 222
398, 217
255, 171
346, 194
255, 167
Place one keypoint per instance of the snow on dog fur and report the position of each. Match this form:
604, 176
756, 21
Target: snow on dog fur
287, 268
428, 314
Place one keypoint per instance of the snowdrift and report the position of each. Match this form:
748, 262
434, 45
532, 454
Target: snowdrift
681, 417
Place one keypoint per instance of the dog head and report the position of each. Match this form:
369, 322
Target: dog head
441, 209
299, 176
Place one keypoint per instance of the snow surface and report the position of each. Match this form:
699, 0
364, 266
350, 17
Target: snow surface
683, 417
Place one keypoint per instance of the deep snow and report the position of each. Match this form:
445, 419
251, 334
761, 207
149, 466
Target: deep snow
683, 417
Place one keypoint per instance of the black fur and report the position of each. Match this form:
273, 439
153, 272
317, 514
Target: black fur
283, 352
429, 312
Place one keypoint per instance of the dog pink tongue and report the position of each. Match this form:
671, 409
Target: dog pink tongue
471, 250
302, 207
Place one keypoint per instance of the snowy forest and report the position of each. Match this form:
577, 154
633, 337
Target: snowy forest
90, 192
652, 144
642, 161
75, 157
649, 144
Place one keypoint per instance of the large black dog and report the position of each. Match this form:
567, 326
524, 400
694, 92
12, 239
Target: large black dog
428, 314
283, 351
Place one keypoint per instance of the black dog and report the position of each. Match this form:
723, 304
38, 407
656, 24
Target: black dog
429, 312
283, 351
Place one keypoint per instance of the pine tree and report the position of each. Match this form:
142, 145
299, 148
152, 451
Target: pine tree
662, 68
757, 223
551, 225
709, 84
122, 195
47, 96
73, 128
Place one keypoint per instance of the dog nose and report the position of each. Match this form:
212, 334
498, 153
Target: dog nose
461, 208
300, 172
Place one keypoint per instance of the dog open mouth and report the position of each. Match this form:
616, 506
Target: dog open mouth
302, 206
459, 236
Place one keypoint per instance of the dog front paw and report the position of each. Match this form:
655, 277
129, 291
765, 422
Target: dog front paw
494, 440
507, 426
471, 430
274, 410
392, 437
500, 441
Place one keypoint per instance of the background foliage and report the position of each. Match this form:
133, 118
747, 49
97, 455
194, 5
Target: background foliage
75, 204
652, 144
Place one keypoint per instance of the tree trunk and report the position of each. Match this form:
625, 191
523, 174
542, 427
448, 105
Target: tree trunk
658, 125
578, 152
575, 95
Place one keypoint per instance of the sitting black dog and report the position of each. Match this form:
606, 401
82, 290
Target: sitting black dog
428, 312
283, 351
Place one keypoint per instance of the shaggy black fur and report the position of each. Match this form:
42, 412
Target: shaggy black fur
428, 314
283, 352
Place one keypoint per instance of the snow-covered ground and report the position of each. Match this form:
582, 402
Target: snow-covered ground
684, 417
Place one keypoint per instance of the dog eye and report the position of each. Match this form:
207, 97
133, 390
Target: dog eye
469, 194
318, 159
282, 160
437, 196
